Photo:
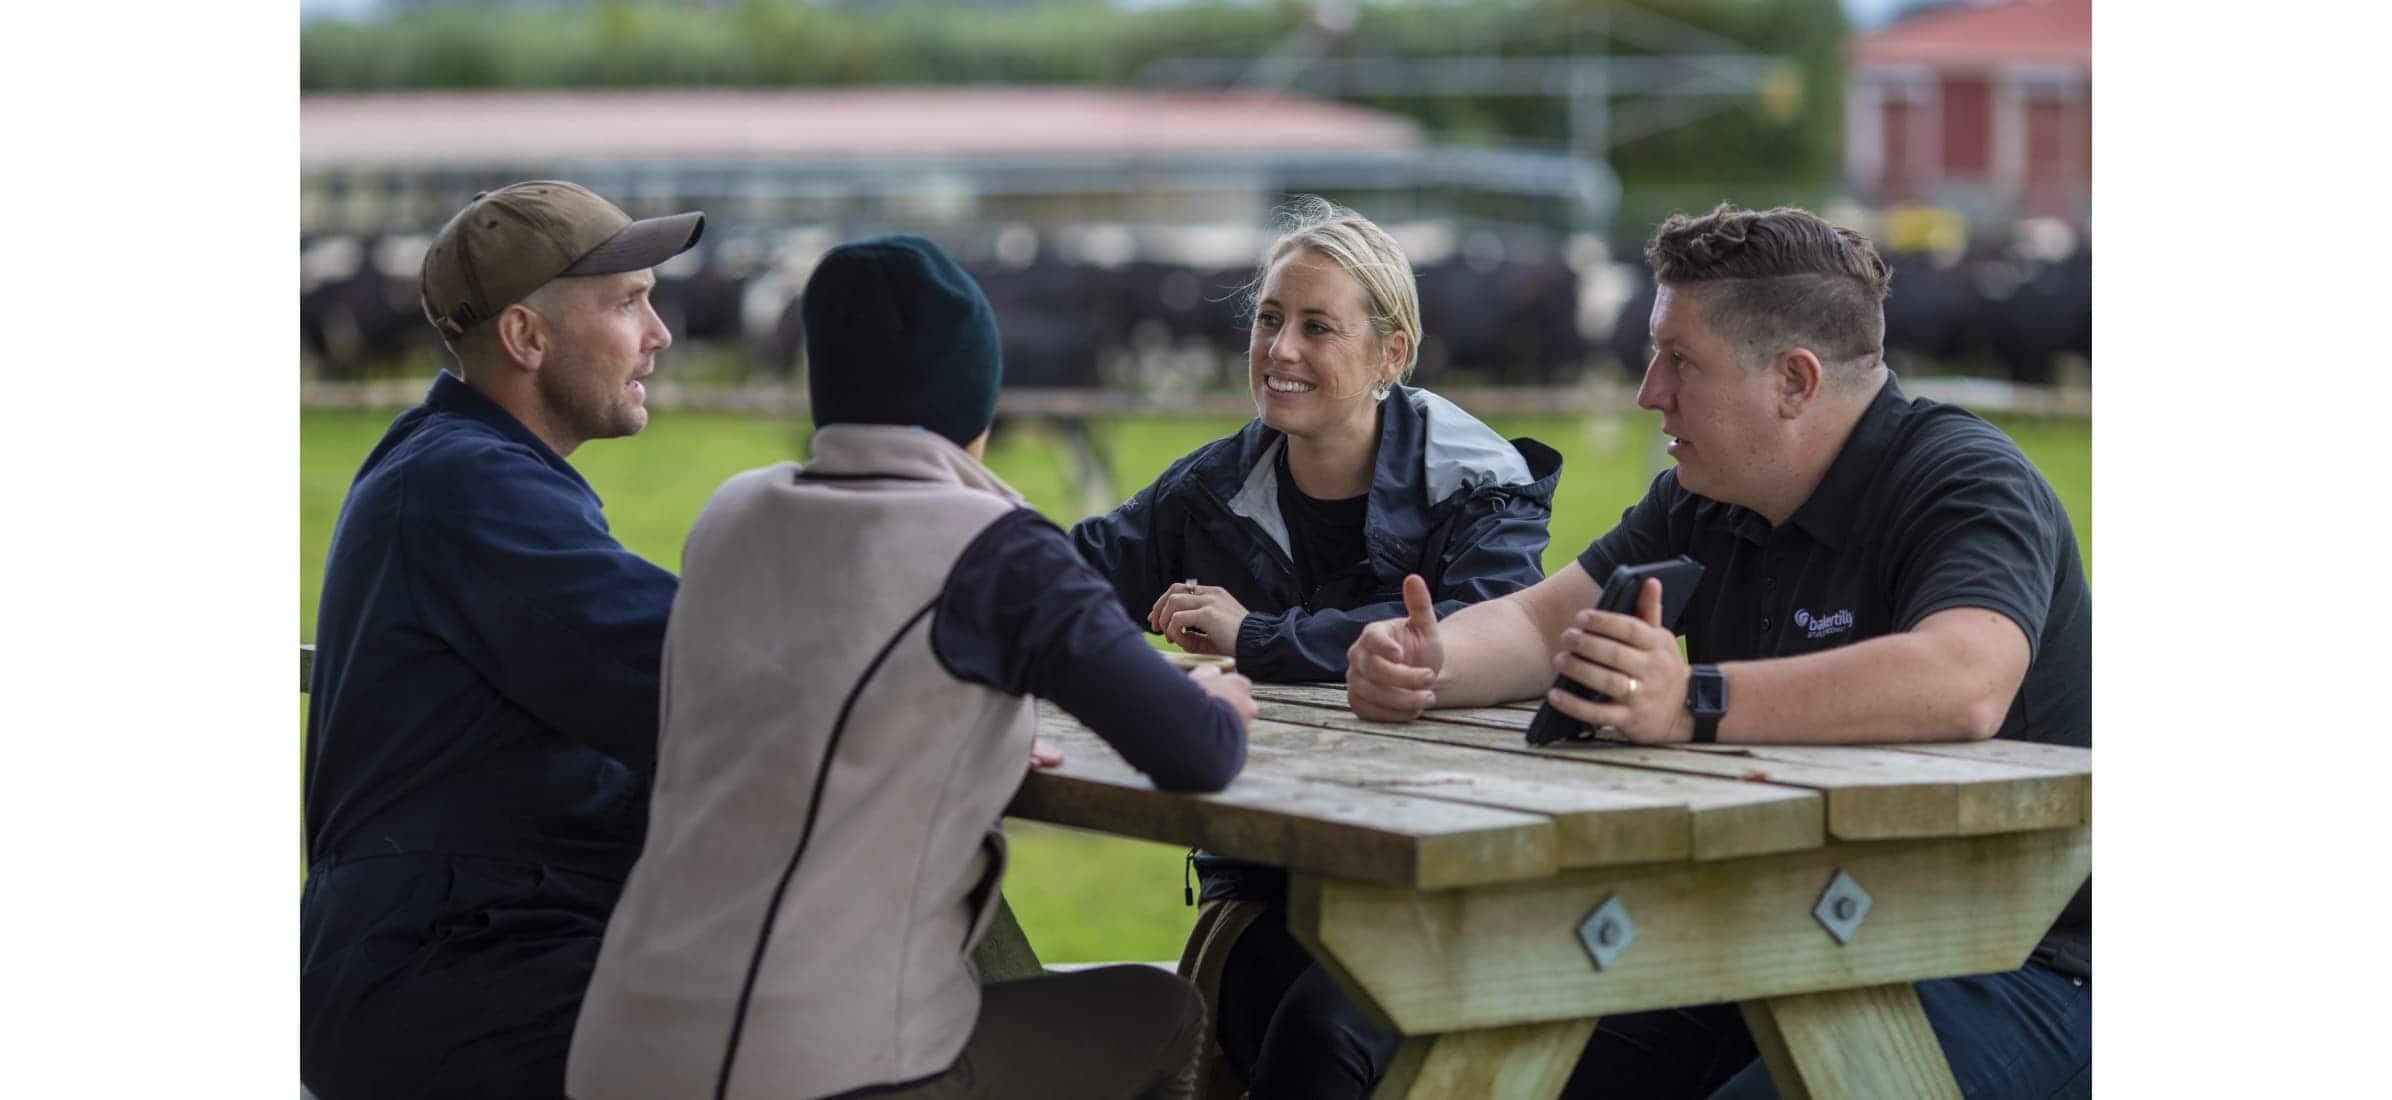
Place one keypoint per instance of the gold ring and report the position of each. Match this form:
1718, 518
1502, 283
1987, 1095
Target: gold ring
1631, 692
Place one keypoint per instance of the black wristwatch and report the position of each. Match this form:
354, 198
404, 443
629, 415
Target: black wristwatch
1707, 700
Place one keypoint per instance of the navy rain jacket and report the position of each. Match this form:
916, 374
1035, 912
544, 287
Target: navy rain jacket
481, 738
1450, 500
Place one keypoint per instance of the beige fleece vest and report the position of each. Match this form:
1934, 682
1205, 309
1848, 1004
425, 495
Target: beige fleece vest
799, 682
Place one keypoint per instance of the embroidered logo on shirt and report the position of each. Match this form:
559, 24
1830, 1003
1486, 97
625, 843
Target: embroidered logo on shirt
1821, 626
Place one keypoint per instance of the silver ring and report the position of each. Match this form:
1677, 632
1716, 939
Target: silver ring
1631, 692
1190, 583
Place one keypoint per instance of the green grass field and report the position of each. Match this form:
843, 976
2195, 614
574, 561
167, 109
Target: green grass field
1081, 897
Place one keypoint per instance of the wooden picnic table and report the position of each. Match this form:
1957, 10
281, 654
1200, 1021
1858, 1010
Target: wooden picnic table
1491, 900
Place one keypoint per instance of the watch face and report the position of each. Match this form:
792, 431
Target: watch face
1707, 693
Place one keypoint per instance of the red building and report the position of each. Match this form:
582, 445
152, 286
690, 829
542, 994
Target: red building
1984, 108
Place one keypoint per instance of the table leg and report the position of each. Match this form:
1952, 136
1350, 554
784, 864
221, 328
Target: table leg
1850, 1043
1526, 1062
1004, 953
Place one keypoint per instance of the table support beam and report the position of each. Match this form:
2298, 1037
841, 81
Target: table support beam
1853, 1042
1429, 962
1525, 1062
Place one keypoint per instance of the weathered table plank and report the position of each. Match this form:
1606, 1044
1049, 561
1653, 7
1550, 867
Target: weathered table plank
1507, 716
1595, 824
1345, 831
1722, 818
1873, 793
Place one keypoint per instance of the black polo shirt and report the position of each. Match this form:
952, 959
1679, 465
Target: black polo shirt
1928, 507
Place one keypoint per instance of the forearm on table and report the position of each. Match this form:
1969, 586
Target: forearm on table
1495, 652
1151, 713
1913, 687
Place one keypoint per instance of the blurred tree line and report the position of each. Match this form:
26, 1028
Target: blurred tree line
1783, 145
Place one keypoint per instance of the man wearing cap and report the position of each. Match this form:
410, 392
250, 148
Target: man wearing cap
823, 851
482, 724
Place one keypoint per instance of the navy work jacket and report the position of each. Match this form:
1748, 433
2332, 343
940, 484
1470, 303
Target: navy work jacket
481, 736
486, 654
1450, 500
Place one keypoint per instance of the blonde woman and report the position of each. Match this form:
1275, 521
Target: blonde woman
1279, 543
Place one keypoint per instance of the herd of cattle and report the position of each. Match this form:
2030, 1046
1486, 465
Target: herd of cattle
1534, 313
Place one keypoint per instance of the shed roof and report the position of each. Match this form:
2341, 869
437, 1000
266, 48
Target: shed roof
469, 128
1976, 34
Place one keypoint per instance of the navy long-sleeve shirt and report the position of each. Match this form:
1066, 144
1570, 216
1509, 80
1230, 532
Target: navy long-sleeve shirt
1022, 613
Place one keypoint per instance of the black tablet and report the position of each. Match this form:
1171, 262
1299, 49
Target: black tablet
1678, 576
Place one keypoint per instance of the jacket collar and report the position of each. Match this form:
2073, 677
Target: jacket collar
899, 452
1457, 453
1430, 452
1257, 498
1828, 514
453, 396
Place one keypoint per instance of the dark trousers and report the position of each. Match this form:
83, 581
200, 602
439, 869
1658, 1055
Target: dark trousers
1108, 1033
437, 977
1284, 1023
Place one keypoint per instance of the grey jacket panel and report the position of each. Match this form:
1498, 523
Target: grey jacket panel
1258, 498
821, 851
1463, 453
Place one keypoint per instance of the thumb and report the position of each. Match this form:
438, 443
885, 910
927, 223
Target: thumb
1648, 601
1419, 613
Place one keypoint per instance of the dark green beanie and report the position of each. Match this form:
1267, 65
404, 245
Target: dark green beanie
896, 333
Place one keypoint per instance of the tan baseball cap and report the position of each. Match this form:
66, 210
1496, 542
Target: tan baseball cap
510, 242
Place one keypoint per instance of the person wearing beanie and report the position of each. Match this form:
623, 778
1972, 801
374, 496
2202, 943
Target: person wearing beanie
848, 680
481, 730
897, 333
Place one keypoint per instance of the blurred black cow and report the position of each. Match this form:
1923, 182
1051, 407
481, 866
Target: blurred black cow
1935, 308
1188, 303
1997, 310
697, 292
1056, 319
1510, 322
358, 301
2035, 312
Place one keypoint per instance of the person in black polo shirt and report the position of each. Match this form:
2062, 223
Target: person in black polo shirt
1877, 569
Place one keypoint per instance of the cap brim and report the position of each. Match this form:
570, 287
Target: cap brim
642, 245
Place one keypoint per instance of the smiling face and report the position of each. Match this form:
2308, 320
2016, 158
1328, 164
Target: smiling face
1313, 358
1722, 418
606, 336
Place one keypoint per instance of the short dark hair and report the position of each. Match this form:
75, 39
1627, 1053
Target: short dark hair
1774, 279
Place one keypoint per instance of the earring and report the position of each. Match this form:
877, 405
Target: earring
1379, 393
